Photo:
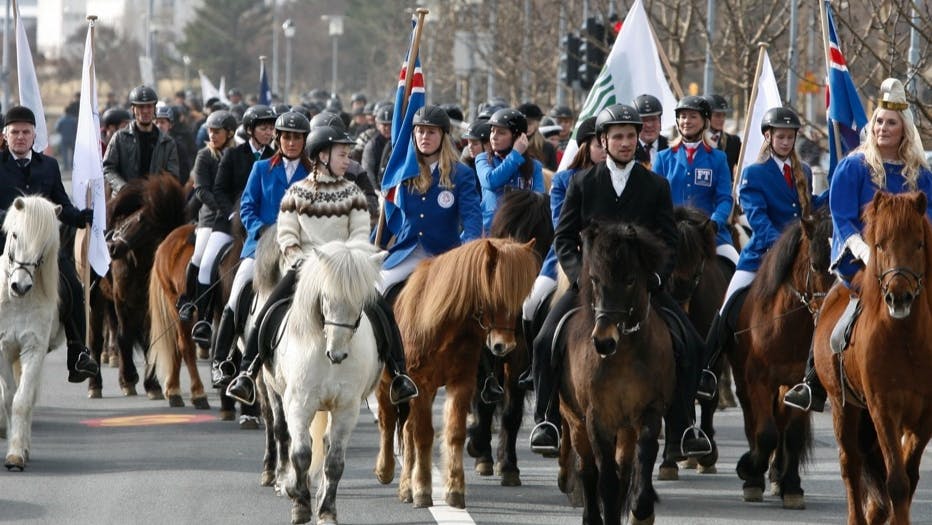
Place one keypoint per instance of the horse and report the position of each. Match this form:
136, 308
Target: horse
618, 373
29, 320
451, 304
521, 216
325, 360
769, 351
880, 405
143, 213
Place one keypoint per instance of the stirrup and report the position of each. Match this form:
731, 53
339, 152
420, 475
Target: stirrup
204, 339
698, 435
225, 372
547, 451
708, 385
394, 397
242, 397
801, 397
492, 391
186, 311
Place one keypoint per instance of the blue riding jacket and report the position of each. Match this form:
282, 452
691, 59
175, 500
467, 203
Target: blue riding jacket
704, 183
262, 198
501, 175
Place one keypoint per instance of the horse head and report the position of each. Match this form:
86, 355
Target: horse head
31, 227
143, 213
507, 274
125, 234
695, 247
811, 274
899, 237
618, 267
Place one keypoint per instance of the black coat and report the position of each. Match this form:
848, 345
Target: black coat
232, 173
590, 196
731, 145
641, 155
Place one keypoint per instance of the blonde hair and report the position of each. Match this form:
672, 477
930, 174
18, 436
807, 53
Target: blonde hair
446, 166
910, 151
800, 181
216, 153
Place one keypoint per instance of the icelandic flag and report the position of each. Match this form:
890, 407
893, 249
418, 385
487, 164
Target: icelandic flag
402, 164
265, 93
845, 111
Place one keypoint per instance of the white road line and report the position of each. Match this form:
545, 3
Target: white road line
443, 514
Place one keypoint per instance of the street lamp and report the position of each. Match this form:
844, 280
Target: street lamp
336, 29
289, 29
187, 72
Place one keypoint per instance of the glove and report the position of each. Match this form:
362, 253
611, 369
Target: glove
294, 257
86, 217
858, 248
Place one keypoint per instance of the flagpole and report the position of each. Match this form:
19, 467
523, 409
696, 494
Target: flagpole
421, 12
828, 71
762, 48
666, 62
88, 204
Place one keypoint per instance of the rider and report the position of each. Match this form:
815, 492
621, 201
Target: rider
891, 159
27, 172
650, 141
619, 189
259, 206
698, 173
774, 193
508, 167
322, 208
221, 125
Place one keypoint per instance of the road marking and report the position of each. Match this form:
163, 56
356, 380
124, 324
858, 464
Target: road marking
148, 420
443, 514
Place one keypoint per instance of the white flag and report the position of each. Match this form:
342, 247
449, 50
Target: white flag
768, 96
223, 91
29, 95
208, 90
632, 68
88, 171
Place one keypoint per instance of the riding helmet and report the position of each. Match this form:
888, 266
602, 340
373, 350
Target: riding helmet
478, 130
718, 103
432, 116
115, 116
585, 131
561, 112
323, 138
780, 117
531, 111
292, 121
221, 120
165, 112
615, 115
511, 119
141, 95
328, 118
383, 115
648, 105
257, 114
694, 103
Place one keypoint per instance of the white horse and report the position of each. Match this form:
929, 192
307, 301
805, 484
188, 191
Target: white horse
29, 323
326, 360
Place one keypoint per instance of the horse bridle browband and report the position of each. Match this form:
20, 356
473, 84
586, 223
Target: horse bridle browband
352, 327
899, 271
491, 326
606, 313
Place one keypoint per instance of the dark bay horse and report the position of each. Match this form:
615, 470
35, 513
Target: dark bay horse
619, 374
883, 410
769, 351
451, 305
521, 216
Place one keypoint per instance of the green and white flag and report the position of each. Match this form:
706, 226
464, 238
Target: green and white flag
633, 68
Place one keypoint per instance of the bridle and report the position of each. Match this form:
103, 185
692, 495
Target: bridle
624, 326
889, 274
694, 281
23, 265
811, 300
491, 326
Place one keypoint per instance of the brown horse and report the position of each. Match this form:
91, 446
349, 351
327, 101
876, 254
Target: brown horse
452, 305
619, 374
882, 410
769, 350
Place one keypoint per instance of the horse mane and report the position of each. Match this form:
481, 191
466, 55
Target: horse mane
694, 237
778, 262
164, 204
446, 290
268, 256
126, 202
36, 224
347, 271
522, 216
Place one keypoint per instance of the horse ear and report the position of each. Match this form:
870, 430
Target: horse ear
920, 202
19, 203
879, 199
710, 227
58, 210
530, 244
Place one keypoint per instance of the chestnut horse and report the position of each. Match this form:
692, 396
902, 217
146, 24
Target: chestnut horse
882, 409
769, 350
618, 373
451, 305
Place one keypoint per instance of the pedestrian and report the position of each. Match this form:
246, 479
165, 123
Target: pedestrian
67, 128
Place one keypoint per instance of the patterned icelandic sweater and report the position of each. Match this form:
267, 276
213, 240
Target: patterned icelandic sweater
321, 209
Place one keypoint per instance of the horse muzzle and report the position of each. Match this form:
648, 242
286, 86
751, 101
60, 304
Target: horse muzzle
899, 305
336, 357
20, 289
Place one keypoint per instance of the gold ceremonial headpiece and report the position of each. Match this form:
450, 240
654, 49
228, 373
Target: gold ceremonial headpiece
892, 95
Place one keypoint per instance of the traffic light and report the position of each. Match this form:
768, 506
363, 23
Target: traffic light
569, 59
591, 51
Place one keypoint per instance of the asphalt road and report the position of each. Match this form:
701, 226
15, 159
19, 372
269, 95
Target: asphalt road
131, 460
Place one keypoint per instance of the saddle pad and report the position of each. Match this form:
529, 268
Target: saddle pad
243, 307
558, 347
677, 332
218, 260
733, 307
269, 328
841, 334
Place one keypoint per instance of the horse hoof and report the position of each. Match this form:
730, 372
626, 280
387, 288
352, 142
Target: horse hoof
423, 500
94, 393
174, 400
327, 520
202, 353
14, 463
156, 395
129, 390
774, 488
471, 449
646, 521
794, 501
511, 479
300, 513
706, 469
668, 474
114, 362
384, 476
267, 478
688, 464
227, 415
249, 423
753, 494
457, 500
200, 403
484, 468
104, 358
405, 495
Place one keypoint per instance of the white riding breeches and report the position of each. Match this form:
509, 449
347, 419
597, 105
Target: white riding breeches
739, 280
727, 251
543, 285
247, 267
401, 272
214, 246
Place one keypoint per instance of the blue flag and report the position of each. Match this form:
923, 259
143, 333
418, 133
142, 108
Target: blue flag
265, 94
845, 111
402, 164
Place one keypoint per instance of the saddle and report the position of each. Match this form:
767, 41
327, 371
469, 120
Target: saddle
841, 334
677, 333
269, 333
243, 307
732, 309
215, 268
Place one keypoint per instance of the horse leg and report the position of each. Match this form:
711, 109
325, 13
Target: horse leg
173, 383
479, 442
897, 484
267, 477
588, 473
7, 390
763, 441
419, 440
796, 437
342, 423
512, 416
23, 401
848, 433
388, 421
298, 417
613, 479
189, 354
128, 374
643, 496
706, 464
726, 399
454, 432
96, 340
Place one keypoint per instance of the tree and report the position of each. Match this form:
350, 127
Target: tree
116, 59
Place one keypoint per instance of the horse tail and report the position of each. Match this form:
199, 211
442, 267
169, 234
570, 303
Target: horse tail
319, 427
163, 328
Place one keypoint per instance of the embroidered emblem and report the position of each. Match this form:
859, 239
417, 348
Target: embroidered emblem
703, 177
445, 199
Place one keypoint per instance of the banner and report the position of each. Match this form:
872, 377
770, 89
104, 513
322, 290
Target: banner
265, 92
846, 116
29, 95
768, 96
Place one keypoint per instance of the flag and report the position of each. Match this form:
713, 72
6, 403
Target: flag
402, 164
208, 90
845, 112
88, 165
265, 93
768, 96
223, 91
29, 95
632, 68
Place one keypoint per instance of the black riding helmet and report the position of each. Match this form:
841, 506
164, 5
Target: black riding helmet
618, 114
256, 115
511, 119
718, 103
328, 118
384, 113
432, 116
478, 130
292, 121
323, 138
222, 120
531, 111
648, 105
779, 117
694, 103
585, 131
561, 112
141, 95
114, 116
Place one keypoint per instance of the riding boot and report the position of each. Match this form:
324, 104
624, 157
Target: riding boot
202, 331
810, 394
79, 361
186, 306
492, 391
391, 352
222, 369
526, 379
708, 379
243, 388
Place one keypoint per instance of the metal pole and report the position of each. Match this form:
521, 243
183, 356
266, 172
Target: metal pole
812, 67
333, 77
149, 10
526, 74
275, 26
792, 59
5, 74
912, 86
287, 95
493, 30
708, 78
561, 90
